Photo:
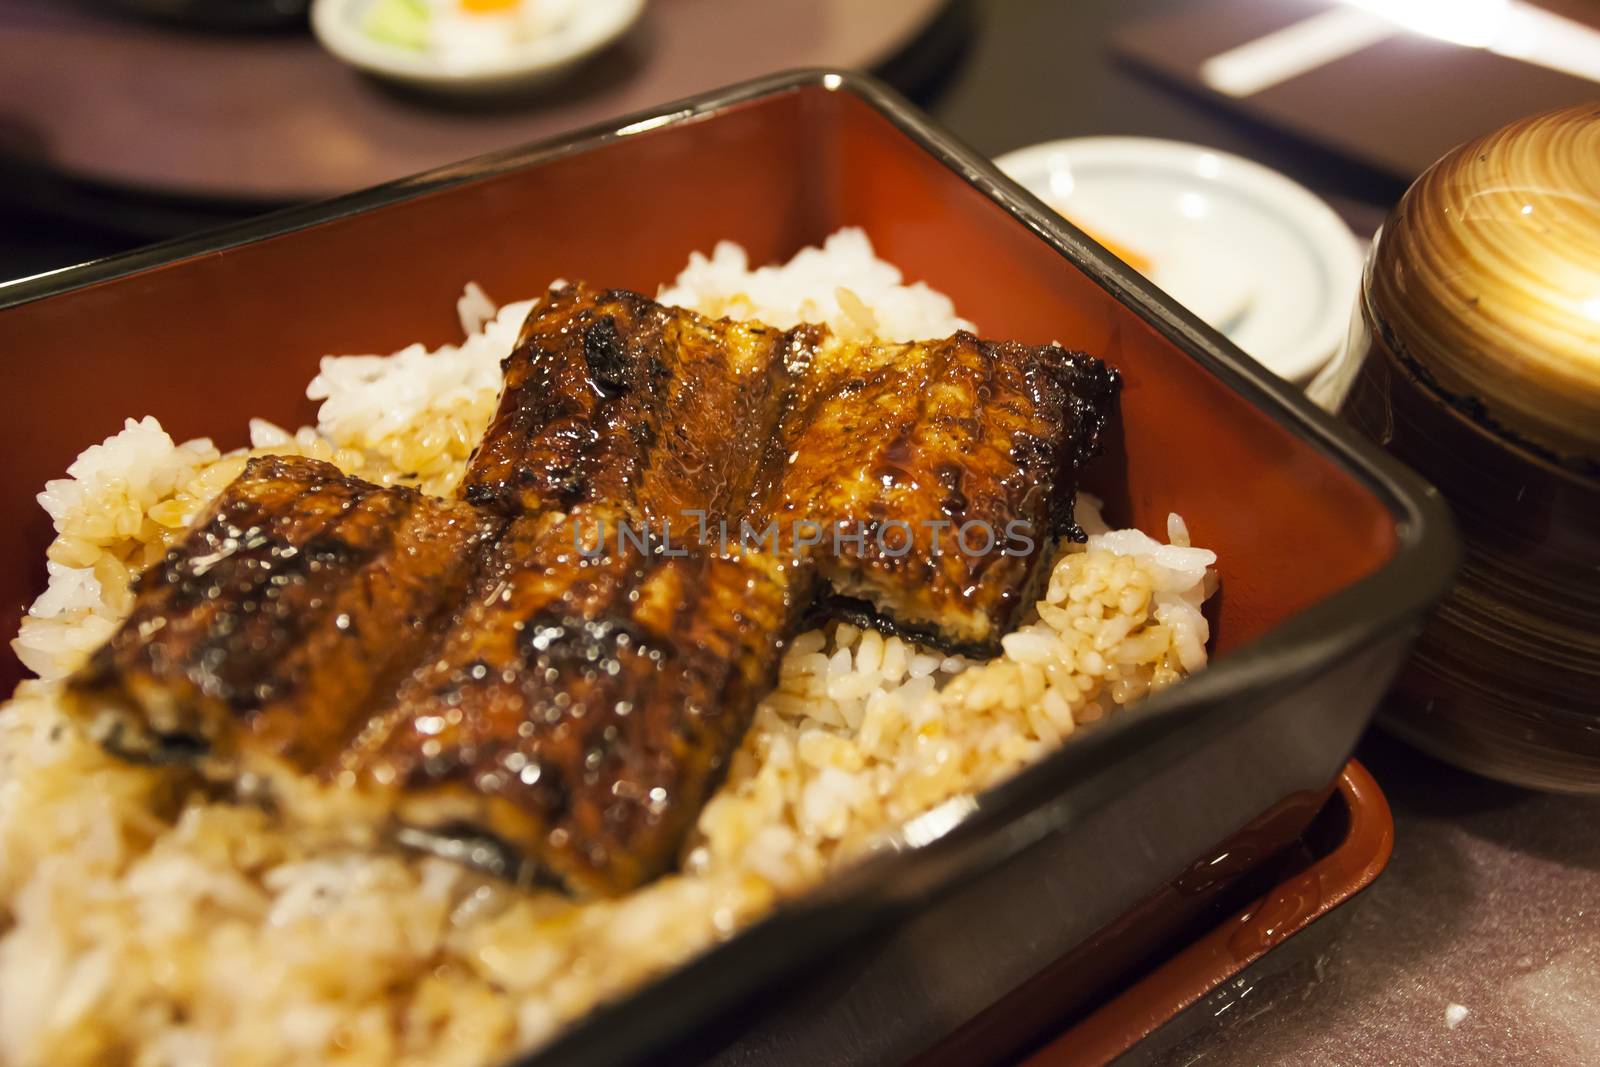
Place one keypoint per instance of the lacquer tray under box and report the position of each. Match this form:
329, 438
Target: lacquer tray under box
1215, 974
1330, 553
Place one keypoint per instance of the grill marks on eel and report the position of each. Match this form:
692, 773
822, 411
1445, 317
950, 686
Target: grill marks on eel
574, 708
582, 709
959, 433
269, 629
612, 399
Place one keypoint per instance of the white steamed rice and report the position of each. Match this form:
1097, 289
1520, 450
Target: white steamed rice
140, 925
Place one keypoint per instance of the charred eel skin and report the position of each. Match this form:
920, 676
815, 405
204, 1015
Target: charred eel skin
583, 703
582, 710
508, 667
273, 625
948, 470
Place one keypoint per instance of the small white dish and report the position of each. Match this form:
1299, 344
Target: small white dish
587, 27
1247, 250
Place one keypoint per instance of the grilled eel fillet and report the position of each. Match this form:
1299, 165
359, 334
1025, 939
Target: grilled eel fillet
579, 691
582, 709
278, 619
939, 474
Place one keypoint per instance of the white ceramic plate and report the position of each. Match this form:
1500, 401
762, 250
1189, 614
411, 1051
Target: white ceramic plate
1247, 250
588, 27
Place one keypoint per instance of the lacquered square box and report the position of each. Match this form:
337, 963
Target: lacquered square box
1330, 554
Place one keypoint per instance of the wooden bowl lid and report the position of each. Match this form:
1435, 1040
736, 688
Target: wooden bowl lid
1487, 278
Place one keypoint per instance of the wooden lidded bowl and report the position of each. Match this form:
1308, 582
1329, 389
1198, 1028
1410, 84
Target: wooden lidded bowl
1478, 345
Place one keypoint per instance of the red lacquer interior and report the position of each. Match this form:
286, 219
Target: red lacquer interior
205, 343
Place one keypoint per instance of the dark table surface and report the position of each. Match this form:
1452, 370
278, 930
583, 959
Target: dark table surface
1481, 942
1000, 73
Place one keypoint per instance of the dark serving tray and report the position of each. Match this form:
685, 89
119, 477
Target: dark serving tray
1330, 553
1188, 995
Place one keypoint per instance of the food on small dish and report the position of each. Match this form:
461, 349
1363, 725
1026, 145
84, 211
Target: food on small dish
469, 47
1134, 258
1251, 253
1210, 281
367, 947
1206, 279
464, 32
